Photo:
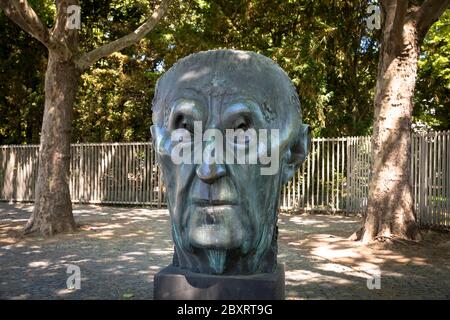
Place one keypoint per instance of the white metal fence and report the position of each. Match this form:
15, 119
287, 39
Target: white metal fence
335, 176
109, 173
430, 176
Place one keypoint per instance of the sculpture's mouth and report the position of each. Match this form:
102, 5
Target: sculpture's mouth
215, 225
213, 203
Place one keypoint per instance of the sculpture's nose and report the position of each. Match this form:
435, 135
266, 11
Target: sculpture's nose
209, 173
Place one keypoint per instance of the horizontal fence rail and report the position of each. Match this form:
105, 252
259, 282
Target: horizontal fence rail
108, 173
335, 176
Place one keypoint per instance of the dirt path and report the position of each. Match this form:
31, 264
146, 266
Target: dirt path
119, 250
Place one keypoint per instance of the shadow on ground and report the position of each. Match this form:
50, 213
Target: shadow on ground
119, 250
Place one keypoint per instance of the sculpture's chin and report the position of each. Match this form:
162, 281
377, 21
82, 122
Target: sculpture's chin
217, 227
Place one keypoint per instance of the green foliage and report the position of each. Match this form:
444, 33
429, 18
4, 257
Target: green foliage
114, 99
114, 105
432, 97
323, 45
22, 71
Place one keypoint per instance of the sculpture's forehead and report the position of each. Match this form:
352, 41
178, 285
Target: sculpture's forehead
215, 91
209, 82
224, 75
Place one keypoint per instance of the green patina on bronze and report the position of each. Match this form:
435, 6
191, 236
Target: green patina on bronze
224, 215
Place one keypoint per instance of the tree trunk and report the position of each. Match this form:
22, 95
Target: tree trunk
53, 207
390, 212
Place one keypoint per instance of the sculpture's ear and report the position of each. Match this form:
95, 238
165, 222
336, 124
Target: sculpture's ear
153, 133
155, 143
160, 142
298, 152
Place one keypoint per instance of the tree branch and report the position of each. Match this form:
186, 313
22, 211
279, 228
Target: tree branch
60, 31
428, 13
22, 14
395, 13
88, 59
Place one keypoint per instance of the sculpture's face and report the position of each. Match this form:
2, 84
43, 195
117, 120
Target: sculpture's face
223, 212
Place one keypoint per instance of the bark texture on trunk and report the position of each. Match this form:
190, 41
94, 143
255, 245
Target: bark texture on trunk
390, 211
390, 206
53, 207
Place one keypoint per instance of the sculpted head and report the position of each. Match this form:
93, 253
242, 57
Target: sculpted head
224, 208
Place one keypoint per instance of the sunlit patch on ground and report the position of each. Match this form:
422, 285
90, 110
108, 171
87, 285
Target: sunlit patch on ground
120, 249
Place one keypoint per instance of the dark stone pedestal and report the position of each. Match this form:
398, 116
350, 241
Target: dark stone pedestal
173, 283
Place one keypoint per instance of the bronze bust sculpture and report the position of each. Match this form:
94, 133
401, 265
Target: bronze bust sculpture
224, 211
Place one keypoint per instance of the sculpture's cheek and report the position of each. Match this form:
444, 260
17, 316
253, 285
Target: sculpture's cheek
216, 227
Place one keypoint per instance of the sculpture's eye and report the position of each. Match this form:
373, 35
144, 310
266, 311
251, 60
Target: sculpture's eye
184, 114
184, 123
242, 124
241, 127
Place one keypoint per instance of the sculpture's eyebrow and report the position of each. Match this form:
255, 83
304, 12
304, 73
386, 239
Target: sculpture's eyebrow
244, 106
187, 93
186, 107
236, 107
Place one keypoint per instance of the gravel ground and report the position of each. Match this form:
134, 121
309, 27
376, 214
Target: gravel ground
119, 250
